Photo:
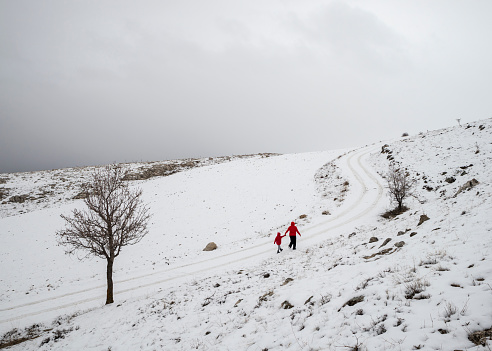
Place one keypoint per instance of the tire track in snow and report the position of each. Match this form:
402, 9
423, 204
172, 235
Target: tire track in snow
357, 209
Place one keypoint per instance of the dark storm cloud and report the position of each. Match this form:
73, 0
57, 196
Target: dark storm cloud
97, 82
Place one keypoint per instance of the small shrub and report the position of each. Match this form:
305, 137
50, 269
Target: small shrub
415, 287
428, 261
400, 185
364, 284
381, 329
449, 310
441, 269
325, 299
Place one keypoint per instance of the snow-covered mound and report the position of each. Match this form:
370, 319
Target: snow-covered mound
357, 281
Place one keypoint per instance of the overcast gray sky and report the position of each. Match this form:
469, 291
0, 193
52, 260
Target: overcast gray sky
95, 82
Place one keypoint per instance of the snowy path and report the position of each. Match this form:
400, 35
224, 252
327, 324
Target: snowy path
367, 192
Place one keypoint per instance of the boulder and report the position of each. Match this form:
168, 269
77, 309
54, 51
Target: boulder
423, 218
286, 305
450, 180
373, 239
210, 247
467, 186
385, 242
400, 244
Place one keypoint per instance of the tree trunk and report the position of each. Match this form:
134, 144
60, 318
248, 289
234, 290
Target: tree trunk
109, 276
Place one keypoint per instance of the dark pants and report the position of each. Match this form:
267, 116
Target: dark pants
292, 242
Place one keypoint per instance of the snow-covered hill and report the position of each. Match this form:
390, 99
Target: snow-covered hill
357, 281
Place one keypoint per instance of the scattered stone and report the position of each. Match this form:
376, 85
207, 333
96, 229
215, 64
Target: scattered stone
351, 235
210, 247
413, 233
266, 275
309, 301
326, 213
423, 218
238, 302
216, 285
373, 239
400, 244
264, 297
467, 186
382, 252
302, 216
286, 305
287, 281
385, 242
450, 180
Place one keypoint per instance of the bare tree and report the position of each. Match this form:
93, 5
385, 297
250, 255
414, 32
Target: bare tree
115, 217
399, 185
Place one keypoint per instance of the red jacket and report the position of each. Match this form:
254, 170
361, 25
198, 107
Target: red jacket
278, 239
292, 230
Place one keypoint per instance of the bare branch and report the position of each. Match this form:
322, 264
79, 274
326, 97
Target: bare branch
399, 185
115, 217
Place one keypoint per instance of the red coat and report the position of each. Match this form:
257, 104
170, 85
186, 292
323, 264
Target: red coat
292, 230
278, 239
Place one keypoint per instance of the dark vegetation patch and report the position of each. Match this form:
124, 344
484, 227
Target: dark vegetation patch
17, 336
390, 214
166, 169
480, 337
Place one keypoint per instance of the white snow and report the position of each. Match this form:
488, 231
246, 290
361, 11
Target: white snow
171, 295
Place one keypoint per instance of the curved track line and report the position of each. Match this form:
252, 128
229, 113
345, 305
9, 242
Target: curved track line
353, 208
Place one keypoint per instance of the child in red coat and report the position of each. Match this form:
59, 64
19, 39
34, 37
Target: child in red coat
278, 241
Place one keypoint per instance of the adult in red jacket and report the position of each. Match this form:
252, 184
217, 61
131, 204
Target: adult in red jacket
292, 230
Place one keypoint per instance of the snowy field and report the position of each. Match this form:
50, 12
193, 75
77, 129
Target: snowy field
346, 287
